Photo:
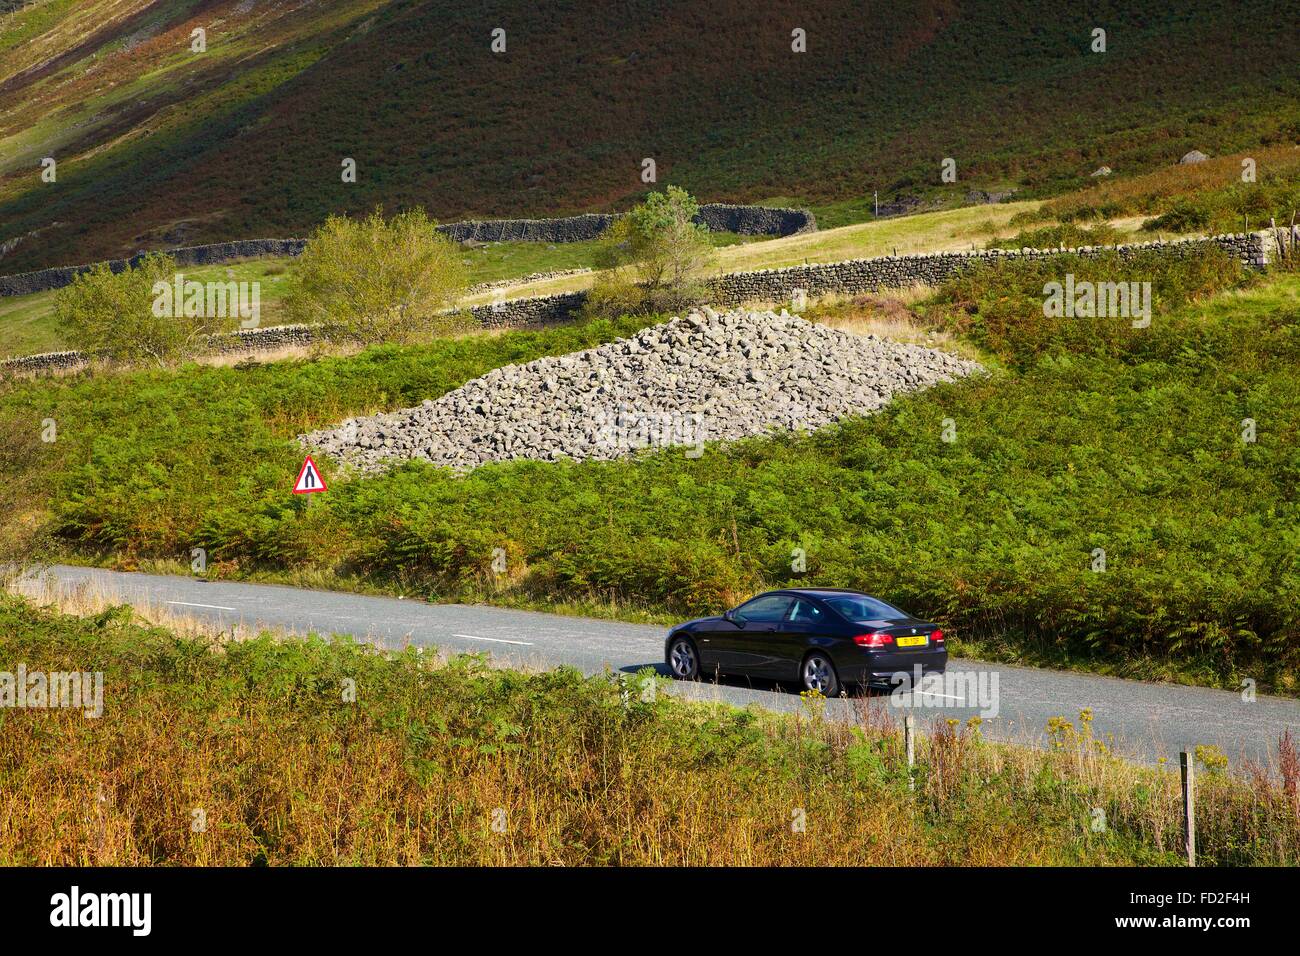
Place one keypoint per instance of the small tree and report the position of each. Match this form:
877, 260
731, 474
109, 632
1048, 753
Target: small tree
372, 280
655, 258
118, 316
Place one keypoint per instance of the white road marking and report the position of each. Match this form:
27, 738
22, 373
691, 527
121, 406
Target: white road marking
215, 607
927, 693
494, 640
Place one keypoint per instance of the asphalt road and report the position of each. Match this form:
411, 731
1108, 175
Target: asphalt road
1146, 721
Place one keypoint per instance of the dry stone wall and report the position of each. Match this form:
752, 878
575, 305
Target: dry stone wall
263, 340
570, 229
45, 362
756, 220
253, 341
718, 217
886, 272
535, 310
25, 283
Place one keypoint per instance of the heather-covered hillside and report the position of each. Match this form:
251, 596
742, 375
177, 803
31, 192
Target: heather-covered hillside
159, 145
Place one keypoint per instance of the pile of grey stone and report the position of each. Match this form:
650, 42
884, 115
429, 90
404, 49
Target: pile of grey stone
706, 376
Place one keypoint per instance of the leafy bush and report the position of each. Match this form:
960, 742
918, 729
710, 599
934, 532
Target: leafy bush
1185, 216
1000, 307
655, 258
1063, 234
375, 280
117, 315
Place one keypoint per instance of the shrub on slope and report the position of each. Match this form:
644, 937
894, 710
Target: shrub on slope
372, 280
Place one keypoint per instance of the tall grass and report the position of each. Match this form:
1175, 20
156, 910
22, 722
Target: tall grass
220, 752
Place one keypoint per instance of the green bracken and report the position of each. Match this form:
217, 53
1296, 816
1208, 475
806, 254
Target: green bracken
1087, 435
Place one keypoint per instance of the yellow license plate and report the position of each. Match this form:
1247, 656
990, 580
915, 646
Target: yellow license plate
913, 641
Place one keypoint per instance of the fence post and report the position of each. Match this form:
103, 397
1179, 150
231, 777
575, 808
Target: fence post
909, 741
1189, 805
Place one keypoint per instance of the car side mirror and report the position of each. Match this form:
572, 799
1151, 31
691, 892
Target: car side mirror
734, 618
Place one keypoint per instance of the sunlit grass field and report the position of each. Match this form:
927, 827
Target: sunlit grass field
28, 326
924, 232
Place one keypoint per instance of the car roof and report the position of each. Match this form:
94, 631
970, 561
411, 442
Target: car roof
821, 592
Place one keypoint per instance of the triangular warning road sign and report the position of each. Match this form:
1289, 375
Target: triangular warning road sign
309, 479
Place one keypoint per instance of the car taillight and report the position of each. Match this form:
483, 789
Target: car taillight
937, 637
874, 639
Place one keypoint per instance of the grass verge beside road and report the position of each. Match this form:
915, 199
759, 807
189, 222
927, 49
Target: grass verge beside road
326, 752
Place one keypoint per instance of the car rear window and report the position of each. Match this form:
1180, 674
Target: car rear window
860, 607
805, 612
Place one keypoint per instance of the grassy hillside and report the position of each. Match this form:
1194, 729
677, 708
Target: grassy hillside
27, 322
1209, 196
265, 762
1090, 434
157, 144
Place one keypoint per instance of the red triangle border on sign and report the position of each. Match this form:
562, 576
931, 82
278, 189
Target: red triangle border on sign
298, 489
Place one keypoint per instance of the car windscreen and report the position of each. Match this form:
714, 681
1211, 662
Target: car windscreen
860, 607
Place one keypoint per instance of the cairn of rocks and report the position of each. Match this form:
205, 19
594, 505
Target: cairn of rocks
706, 376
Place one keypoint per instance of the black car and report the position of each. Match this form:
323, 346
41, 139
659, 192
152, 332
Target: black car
826, 639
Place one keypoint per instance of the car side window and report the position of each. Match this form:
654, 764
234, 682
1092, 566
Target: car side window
768, 609
805, 612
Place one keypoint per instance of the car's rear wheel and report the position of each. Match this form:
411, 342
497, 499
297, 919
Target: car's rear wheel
684, 659
818, 673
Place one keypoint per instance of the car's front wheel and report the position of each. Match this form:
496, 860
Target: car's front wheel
818, 673
683, 659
